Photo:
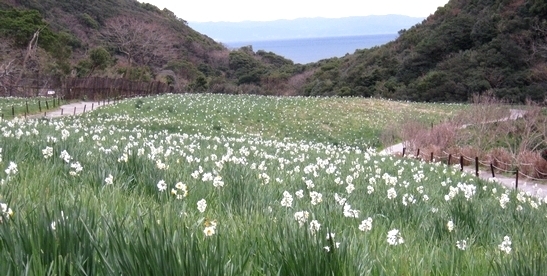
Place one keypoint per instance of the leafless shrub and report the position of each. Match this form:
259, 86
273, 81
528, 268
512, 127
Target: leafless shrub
389, 135
541, 168
527, 162
411, 132
224, 88
296, 82
501, 158
477, 123
469, 153
220, 58
438, 154
250, 89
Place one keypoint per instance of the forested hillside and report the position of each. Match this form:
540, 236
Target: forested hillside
466, 47
43, 42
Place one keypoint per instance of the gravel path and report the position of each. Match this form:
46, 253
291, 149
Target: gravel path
535, 188
70, 109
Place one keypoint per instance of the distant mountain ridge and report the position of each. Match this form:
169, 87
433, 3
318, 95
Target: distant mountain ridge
304, 27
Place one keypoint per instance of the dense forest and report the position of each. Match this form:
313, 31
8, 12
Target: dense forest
44, 42
465, 47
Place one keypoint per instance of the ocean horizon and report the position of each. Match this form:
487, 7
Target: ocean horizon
306, 50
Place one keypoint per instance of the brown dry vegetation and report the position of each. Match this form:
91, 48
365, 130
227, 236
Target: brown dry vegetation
490, 130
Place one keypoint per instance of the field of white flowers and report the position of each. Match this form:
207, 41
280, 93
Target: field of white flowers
228, 185
11, 107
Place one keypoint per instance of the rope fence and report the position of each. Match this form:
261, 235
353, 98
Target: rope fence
485, 163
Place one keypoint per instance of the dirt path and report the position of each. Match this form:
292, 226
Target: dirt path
70, 109
535, 188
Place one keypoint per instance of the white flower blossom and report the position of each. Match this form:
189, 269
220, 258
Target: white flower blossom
505, 245
366, 225
202, 205
394, 237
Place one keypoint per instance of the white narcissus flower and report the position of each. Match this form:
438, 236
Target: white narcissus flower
202, 205
450, 226
391, 193
162, 186
287, 199
366, 225
505, 245
109, 180
209, 231
394, 237
462, 245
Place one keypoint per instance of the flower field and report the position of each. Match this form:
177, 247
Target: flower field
15, 106
229, 185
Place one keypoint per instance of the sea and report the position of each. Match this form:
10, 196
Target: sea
306, 50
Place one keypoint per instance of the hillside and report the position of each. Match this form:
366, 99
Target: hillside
304, 27
465, 47
42, 43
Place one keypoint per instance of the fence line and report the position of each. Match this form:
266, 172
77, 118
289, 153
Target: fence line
92, 88
540, 173
490, 164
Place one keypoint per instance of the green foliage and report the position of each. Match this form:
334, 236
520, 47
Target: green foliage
150, 7
88, 21
20, 25
132, 207
246, 68
274, 59
136, 73
83, 68
466, 47
200, 84
100, 58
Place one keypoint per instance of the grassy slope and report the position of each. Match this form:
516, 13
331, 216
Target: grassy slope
132, 227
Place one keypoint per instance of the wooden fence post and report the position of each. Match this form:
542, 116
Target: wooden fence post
47, 105
431, 157
449, 158
39, 106
418, 154
26, 104
404, 149
74, 110
61, 112
84, 107
492, 169
476, 166
12, 111
517, 180
461, 163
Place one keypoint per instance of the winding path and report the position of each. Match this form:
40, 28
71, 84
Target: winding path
70, 109
535, 188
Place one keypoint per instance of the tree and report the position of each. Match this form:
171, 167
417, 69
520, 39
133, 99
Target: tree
100, 58
141, 42
7, 71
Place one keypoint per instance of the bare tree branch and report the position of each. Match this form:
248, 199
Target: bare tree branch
141, 42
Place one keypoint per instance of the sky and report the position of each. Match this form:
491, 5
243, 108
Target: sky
253, 10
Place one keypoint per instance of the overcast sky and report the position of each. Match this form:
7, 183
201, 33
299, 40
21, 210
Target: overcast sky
241, 10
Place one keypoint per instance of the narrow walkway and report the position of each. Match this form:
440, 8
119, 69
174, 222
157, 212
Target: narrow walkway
535, 188
70, 109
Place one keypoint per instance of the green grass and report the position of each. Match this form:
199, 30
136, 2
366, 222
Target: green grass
340, 121
16, 107
76, 223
